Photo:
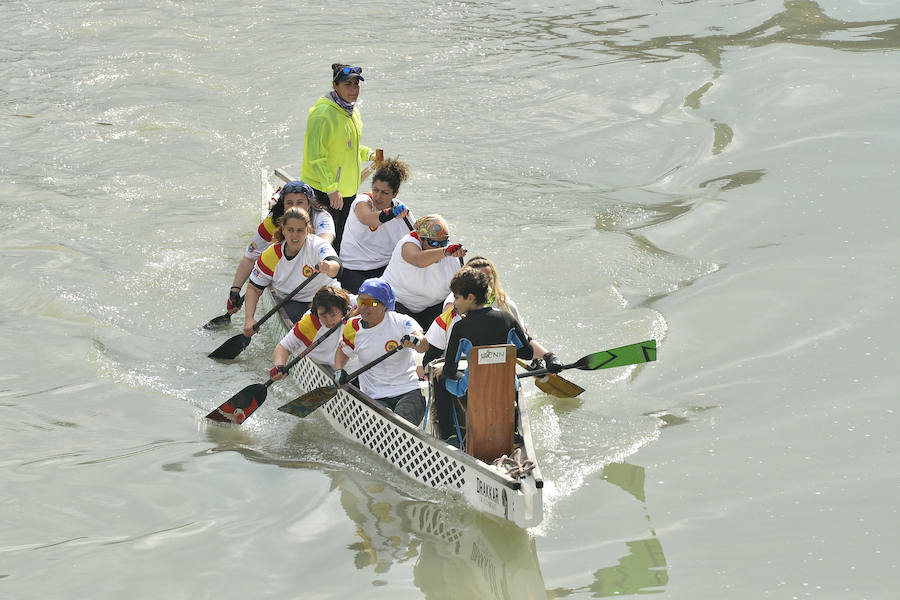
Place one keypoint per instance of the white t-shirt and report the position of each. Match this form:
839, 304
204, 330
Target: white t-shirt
306, 331
322, 222
393, 376
438, 334
284, 274
364, 248
419, 287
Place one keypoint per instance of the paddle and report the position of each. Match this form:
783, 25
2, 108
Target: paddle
310, 401
240, 406
555, 385
220, 321
236, 343
633, 354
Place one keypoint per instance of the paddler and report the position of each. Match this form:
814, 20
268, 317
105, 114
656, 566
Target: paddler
329, 307
481, 325
376, 330
421, 265
291, 194
377, 221
295, 256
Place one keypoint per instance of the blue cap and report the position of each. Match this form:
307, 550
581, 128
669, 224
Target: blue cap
294, 187
380, 290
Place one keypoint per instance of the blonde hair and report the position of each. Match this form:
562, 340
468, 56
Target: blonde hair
500, 299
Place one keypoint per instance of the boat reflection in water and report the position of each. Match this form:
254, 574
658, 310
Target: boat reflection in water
458, 552
461, 553
643, 570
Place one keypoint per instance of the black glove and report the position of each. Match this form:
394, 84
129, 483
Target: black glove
390, 213
340, 377
536, 364
234, 299
553, 364
275, 371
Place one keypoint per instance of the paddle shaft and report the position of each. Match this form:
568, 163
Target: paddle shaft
304, 405
310, 348
228, 407
639, 353
284, 301
545, 371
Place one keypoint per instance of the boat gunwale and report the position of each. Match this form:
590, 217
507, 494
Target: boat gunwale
415, 430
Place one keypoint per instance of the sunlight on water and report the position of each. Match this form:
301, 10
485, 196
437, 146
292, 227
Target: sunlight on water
718, 177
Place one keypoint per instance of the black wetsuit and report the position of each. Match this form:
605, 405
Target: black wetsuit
483, 327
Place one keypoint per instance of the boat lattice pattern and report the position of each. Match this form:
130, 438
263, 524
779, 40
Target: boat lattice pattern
400, 447
429, 519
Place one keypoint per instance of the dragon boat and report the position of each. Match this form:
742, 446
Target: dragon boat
502, 480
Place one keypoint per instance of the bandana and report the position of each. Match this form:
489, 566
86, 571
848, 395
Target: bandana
348, 106
432, 227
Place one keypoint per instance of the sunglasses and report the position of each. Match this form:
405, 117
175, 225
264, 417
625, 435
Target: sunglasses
347, 71
370, 302
436, 243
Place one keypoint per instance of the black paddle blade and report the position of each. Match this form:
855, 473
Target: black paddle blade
310, 401
631, 354
218, 322
232, 347
240, 406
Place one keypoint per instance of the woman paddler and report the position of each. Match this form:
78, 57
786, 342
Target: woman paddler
295, 256
329, 306
291, 194
377, 221
378, 329
421, 265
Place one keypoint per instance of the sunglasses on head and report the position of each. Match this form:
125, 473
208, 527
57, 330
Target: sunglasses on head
368, 302
347, 71
436, 243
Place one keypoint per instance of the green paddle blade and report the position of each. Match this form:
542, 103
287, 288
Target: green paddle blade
310, 401
631, 354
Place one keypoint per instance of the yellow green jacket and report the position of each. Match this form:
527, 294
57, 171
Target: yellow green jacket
332, 152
